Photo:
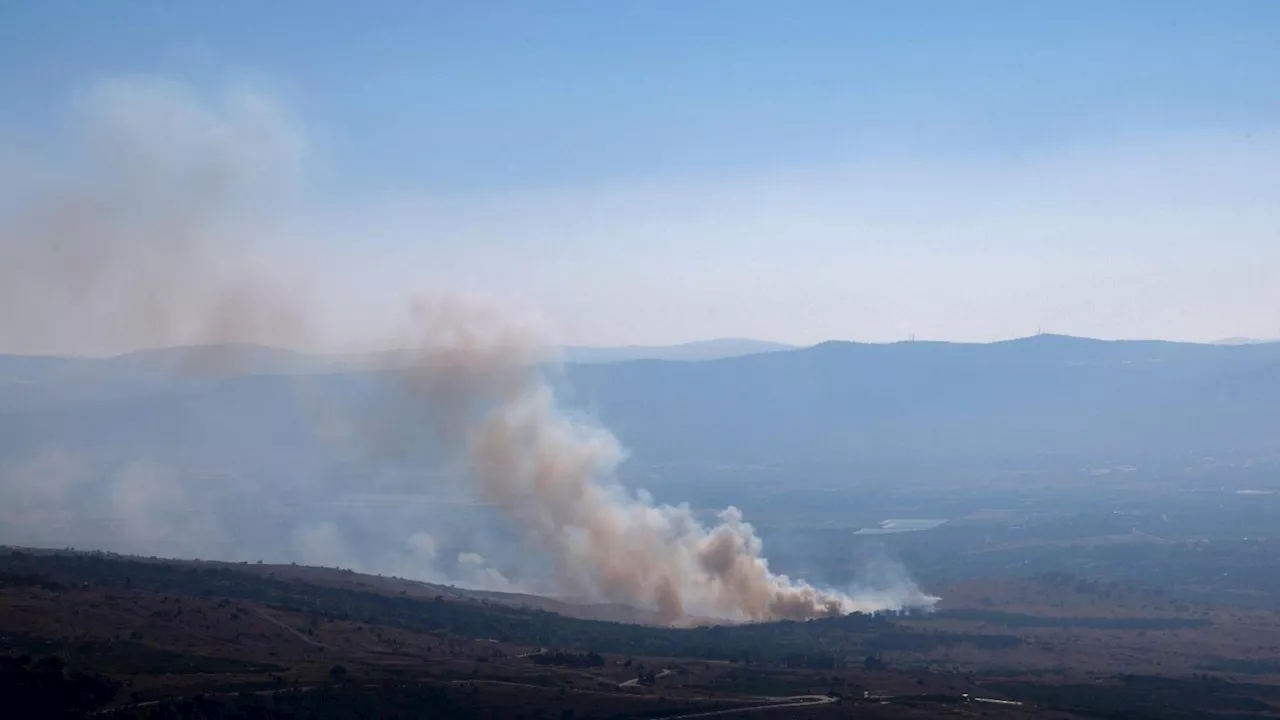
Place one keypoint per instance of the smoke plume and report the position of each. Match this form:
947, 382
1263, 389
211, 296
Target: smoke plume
553, 474
158, 233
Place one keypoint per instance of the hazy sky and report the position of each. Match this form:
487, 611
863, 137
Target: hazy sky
652, 172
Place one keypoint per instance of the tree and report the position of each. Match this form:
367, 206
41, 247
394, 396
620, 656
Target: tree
338, 674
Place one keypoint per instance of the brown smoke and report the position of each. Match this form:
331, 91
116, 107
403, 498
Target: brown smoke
554, 476
145, 238
159, 241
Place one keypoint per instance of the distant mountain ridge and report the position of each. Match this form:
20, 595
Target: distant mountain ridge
1243, 341
839, 401
700, 350
253, 359
835, 402
248, 358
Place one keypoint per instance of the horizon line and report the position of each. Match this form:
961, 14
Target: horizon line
779, 346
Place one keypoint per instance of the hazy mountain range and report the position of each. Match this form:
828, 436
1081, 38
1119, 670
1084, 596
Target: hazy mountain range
837, 402
701, 350
1243, 341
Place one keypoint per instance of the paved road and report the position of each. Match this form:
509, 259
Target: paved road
580, 691
773, 704
636, 681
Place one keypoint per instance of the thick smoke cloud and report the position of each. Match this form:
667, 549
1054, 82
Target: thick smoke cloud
551, 473
158, 232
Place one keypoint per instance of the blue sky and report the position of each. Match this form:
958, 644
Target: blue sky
662, 171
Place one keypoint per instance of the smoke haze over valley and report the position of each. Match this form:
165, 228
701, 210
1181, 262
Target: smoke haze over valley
895, 359
157, 228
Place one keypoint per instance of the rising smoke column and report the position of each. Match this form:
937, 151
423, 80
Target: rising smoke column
148, 248
553, 475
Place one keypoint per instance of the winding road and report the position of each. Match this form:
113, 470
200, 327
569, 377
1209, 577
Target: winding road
636, 681
776, 703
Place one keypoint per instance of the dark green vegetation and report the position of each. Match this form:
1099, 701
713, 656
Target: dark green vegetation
44, 688
132, 638
569, 659
134, 658
1016, 620
332, 702
820, 644
1139, 696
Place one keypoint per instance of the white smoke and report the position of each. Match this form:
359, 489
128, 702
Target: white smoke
554, 475
160, 239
